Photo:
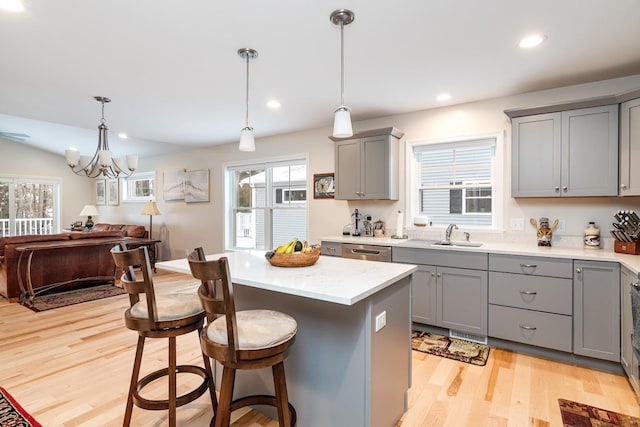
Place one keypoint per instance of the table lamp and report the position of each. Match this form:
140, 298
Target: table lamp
150, 209
89, 211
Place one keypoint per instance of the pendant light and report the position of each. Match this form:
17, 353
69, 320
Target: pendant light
342, 120
247, 142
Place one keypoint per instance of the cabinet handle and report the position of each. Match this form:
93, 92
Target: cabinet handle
578, 270
564, 188
528, 328
439, 275
528, 265
557, 189
623, 186
528, 292
433, 274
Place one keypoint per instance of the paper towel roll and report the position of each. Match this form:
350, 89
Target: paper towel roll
399, 224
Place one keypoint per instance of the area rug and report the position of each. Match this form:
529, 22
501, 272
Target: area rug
576, 414
451, 348
12, 414
63, 299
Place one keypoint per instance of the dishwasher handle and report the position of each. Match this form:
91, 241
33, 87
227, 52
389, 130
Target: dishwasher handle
356, 251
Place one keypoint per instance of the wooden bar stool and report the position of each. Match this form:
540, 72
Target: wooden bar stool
159, 316
249, 339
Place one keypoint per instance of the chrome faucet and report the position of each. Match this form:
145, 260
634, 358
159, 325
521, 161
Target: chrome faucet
447, 234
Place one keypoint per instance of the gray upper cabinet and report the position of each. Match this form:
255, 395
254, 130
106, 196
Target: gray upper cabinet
366, 165
566, 153
630, 148
596, 309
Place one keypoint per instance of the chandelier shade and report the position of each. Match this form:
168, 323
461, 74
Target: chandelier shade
342, 116
102, 163
247, 140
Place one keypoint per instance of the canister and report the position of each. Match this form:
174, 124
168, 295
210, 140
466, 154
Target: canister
592, 236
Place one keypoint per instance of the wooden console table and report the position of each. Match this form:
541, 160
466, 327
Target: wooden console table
27, 293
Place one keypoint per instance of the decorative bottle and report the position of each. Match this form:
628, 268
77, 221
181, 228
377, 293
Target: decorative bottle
592, 236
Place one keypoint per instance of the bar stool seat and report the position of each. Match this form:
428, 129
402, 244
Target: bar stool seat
248, 339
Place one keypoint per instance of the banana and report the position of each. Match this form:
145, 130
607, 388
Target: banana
291, 246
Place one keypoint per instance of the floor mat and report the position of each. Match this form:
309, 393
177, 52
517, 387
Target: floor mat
451, 348
576, 414
63, 299
12, 414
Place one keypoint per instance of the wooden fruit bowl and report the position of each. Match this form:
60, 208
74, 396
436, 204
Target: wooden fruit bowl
295, 260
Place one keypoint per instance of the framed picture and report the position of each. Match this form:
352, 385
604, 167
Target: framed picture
174, 184
196, 186
101, 192
323, 186
113, 194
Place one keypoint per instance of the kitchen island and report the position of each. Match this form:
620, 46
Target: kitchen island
340, 371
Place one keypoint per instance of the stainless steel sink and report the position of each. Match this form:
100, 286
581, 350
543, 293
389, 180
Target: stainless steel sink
460, 244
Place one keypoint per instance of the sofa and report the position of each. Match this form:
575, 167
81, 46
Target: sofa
66, 263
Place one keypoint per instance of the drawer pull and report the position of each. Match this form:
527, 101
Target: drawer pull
528, 265
528, 328
528, 292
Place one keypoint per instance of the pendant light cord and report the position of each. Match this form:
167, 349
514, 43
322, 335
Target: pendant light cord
246, 119
341, 63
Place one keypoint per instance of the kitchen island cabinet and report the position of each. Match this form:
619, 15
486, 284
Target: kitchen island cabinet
366, 165
351, 362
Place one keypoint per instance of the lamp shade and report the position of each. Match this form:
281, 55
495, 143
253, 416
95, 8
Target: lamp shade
342, 123
247, 142
150, 208
89, 210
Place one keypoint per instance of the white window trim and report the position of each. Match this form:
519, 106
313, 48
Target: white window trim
57, 215
412, 176
272, 161
137, 176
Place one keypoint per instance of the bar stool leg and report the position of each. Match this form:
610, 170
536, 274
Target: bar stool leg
282, 398
172, 382
134, 381
223, 416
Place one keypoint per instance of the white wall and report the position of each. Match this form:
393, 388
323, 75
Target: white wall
184, 226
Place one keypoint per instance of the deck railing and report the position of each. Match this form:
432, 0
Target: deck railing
27, 226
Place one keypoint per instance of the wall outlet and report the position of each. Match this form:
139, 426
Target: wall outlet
562, 226
381, 320
517, 224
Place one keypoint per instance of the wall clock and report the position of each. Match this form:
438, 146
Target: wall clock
323, 186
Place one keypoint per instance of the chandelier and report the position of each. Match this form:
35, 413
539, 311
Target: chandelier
102, 162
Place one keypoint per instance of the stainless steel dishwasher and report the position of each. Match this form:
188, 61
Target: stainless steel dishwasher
367, 252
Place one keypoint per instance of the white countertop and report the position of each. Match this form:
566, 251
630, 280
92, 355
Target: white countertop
632, 262
332, 279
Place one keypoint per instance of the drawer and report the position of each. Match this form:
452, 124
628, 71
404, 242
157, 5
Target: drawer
331, 248
531, 327
550, 294
444, 258
539, 266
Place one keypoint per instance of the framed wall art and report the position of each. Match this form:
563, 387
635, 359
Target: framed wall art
323, 186
113, 192
174, 184
196, 186
101, 192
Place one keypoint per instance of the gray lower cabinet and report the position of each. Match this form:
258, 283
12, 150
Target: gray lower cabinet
567, 153
628, 358
444, 293
596, 309
531, 300
331, 248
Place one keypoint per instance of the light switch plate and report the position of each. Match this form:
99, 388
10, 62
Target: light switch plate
381, 320
562, 226
517, 224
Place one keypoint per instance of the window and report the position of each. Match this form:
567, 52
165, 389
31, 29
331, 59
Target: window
455, 181
268, 203
139, 187
29, 206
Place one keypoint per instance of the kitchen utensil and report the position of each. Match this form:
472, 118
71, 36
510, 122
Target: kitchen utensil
533, 222
555, 224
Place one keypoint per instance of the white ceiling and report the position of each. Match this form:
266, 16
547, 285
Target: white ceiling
175, 79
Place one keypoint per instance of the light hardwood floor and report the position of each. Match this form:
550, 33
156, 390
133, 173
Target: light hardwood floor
71, 367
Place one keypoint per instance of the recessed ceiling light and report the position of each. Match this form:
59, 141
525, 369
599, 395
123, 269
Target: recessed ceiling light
532, 41
273, 104
11, 5
443, 97
122, 135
